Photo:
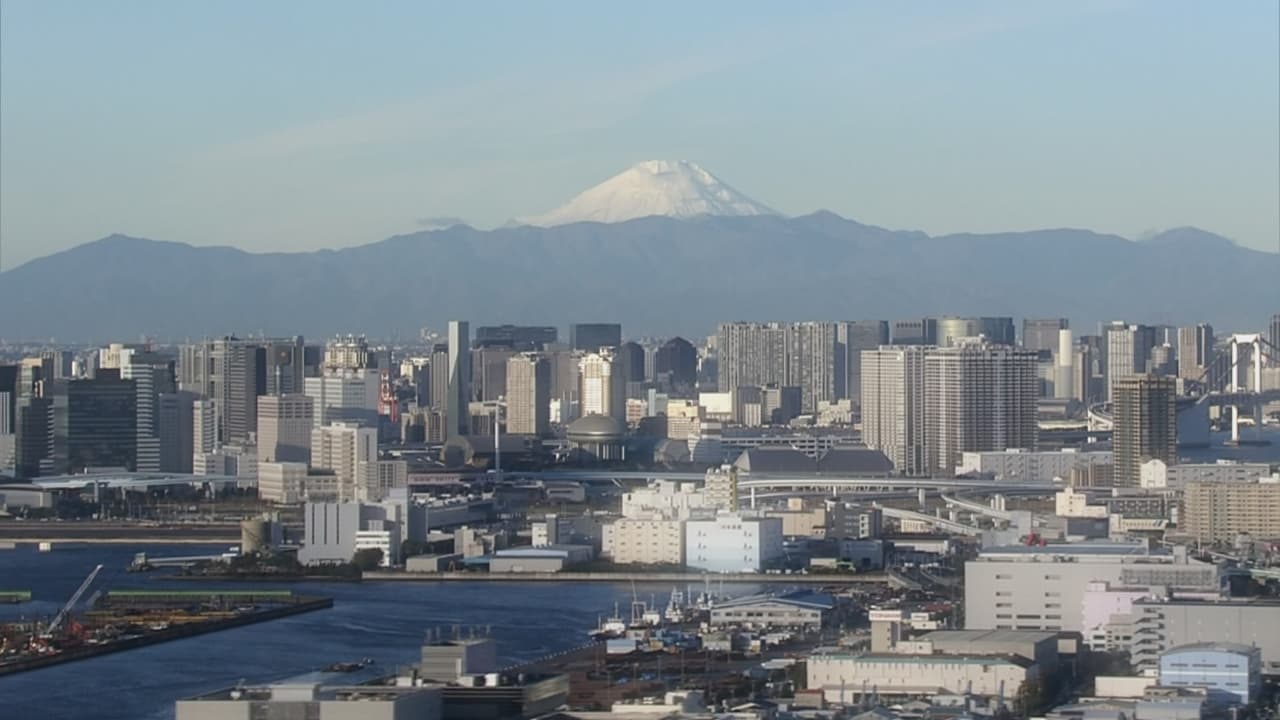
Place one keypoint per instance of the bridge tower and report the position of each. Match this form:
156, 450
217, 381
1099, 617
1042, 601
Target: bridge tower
1254, 341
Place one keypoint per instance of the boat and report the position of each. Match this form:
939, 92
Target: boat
610, 628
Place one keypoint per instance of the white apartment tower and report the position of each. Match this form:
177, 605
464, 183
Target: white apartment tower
978, 397
893, 405
602, 386
528, 394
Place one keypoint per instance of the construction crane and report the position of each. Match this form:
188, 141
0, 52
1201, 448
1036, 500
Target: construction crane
65, 612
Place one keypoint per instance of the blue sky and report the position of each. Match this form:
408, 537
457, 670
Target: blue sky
290, 126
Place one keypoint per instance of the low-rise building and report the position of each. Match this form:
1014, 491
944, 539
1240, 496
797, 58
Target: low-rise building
1036, 645
801, 610
1232, 673
306, 697
1155, 474
843, 676
665, 499
1162, 624
732, 543
1029, 465
1218, 511
628, 541
333, 532
551, 558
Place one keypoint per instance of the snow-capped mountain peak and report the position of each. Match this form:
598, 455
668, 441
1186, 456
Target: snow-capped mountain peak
671, 188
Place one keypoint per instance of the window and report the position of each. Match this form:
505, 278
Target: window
1003, 593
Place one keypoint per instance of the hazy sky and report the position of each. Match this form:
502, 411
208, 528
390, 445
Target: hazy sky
298, 125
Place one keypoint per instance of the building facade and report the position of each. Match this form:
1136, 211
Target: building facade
655, 541
1145, 425
978, 398
285, 423
1219, 511
732, 543
892, 399
528, 395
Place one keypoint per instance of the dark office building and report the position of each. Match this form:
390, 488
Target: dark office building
915, 332
852, 337
489, 372
516, 337
9, 398
676, 366
632, 361
1041, 334
593, 336
95, 423
33, 444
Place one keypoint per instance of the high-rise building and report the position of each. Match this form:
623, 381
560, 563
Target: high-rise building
631, 354
95, 423
9, 396
675, 367
33, 435
811, 362
1219, 511
350, 452
152, 375
1144, 425
1195, 350
345, 396
996, 330
439, 376
593, 336
1128, 348
489, 372
347, 353
281, 366
204, 437
602, 386
915, 332
1065, 374
802, 354
565, 384
1042, 333
285, 423
978, 397
852, 338
751, 354
892, 401
174, 414
225, 370
528, 395
458, 398
520, 338
1273, 337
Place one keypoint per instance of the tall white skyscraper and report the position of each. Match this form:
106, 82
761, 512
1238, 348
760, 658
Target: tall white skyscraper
204, 436
892, 401
602, 385
459, 400
528, 394
1064, 376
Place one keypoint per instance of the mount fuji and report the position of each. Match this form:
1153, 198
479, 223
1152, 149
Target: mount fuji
669, 188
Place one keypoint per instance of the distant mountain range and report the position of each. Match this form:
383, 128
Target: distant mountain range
656, 275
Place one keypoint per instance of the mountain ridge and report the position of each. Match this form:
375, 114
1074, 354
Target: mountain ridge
655, 274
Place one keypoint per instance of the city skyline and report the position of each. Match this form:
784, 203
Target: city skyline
417, 140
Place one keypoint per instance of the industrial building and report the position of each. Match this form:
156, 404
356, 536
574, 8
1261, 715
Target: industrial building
1042, 587
841, 676
797, 610
732, 543
1231, 672
548, 558
1162, 624
1017, 465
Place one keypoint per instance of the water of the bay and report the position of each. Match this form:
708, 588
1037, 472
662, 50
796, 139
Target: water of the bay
383, 621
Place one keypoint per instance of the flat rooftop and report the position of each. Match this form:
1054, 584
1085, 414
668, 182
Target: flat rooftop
988, 636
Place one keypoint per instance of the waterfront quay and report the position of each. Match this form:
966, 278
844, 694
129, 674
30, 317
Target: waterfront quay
127, 619
821, 579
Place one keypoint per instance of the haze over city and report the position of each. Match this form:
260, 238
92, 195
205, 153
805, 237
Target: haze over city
572, 361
